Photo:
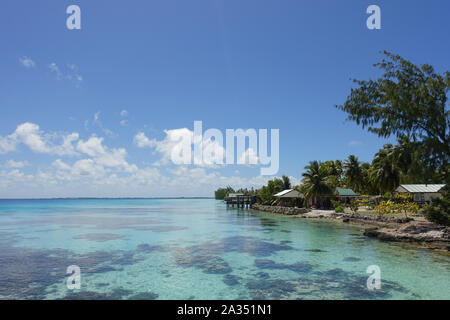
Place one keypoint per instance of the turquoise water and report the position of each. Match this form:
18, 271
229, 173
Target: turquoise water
199, 249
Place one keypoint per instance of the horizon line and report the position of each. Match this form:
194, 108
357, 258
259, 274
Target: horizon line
106, 198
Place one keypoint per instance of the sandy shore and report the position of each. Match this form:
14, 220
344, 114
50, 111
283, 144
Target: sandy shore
415, 230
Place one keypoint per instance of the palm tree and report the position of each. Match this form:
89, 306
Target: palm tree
286, 182
339, 167
315, 181
385, 171
403, 154
367, 186
409, 159
353, 172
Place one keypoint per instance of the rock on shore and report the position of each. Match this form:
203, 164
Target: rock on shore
426, 233
281, 210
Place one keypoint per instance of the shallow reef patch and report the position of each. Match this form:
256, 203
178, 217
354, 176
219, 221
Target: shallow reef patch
299, 267
351, 259
99, 237
231, 279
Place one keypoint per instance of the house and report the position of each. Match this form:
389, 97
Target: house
421, 192
345, 193
288, 194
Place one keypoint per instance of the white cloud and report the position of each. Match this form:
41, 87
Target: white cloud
67, 148
14, 176
96, 122
16, 164
101, 170
104, 156
55, 69
123, 113
92, 147
30, 135
179, 145
178, 142
86, 177
71, 73
249, 157
60, 165
84, 168
88, 167
354, 143
7, 144
97, 117
108, 132
27, 62
174, 142
142, 141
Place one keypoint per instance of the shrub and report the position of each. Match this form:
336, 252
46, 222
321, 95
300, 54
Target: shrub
403, 197
408, 207
389, 206
335, 203
385, 207
438, 211
222, 193
339, 209
354, 205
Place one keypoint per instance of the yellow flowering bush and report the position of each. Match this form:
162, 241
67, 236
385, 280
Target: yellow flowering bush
390, 206
385, 207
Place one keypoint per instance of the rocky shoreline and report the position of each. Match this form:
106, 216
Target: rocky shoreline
418, 231
281, 210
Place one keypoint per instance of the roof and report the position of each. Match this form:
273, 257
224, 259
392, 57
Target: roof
420, 188
343, 192
288, 193
231, 195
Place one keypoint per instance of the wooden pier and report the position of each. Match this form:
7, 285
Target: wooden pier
239, 200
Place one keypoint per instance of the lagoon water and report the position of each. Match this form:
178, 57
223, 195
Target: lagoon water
199, 249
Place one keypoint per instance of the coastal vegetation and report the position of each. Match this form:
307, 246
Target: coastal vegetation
438, 210
400, 204
408, 102
222, 193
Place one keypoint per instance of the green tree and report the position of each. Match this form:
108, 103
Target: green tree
286, 182
315, 182
407, 100
385, 172
354, 205
353, 172
221, 193
367, 185
438, 210
403, 154
334, 171
273, 186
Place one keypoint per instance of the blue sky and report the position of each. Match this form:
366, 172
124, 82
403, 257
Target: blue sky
229, 63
